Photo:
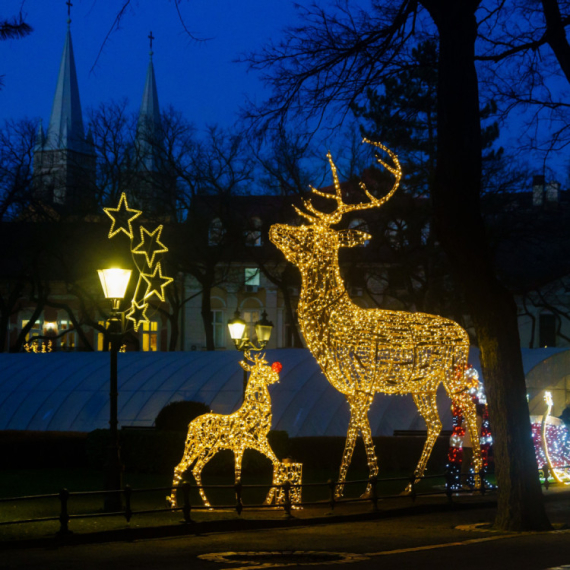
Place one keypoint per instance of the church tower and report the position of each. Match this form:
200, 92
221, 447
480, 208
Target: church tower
154, 187
64, 158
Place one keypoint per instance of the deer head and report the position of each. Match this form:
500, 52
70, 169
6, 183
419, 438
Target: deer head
261, 369
318, 239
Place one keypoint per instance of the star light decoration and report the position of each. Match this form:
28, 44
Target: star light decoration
364, 351
245, 429
146, 256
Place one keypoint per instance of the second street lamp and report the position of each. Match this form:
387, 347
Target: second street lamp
238, 327
114, 282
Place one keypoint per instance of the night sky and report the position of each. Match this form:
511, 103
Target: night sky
197, 78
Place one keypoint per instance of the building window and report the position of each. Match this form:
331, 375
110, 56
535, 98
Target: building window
253, 233
547, 330
251, 279
216, 232
150, 336
397, 231
219, 328
251, 317
69, 340
34, 332
101, 337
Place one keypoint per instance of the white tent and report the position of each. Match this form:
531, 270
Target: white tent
70, 391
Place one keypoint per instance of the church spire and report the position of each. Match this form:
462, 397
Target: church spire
65, 129
148, 125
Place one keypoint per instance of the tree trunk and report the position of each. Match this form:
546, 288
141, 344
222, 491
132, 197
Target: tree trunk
206, 312
290, 318
556, 34
459, 225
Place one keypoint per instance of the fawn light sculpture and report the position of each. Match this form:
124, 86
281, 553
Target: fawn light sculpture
364, 351
245, 429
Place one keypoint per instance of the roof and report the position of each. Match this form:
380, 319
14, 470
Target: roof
70, 391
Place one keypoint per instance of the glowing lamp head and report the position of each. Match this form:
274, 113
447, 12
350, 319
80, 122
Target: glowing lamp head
237, 327
114, 282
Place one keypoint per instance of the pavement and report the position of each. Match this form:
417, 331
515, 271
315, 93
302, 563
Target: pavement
428, 534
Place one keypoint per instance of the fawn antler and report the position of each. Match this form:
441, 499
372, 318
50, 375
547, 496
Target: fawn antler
322, 218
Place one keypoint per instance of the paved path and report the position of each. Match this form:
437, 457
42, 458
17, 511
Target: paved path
419, 541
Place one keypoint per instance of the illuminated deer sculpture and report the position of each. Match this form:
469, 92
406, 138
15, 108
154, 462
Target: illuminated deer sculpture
364, 351
245, 429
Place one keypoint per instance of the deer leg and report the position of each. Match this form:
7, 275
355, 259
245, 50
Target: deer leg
427, 406
464, 401
238, 458
185, 462
370, 452
201, 462
273, 493
178, 472
351, 436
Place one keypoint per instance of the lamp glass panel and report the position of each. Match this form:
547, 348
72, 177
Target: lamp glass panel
114, 282
236, 329
263, 332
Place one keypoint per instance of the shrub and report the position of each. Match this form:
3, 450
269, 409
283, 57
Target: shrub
177, 415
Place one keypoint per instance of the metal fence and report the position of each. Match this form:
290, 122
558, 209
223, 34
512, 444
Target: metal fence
286, 504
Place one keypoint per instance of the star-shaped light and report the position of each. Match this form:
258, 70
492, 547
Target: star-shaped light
122, 217
137, 314
151, 245
150, 278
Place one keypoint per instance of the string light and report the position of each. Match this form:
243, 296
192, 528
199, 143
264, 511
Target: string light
245, 429
551, 443
364, 351
122, 218
156, 277
35, 348
151, 248
455, 453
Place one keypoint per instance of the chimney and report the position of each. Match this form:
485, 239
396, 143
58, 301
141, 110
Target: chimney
538, 190
552, 193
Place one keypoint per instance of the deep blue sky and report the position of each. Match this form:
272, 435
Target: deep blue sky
198, 79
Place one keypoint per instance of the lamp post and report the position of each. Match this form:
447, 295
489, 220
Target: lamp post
114, 282
237, 327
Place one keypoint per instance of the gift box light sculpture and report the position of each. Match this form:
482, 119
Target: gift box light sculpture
245, 429
364, 351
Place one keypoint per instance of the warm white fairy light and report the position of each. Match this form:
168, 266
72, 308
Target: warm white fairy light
559, 475
149, 250
364, 351
245, 429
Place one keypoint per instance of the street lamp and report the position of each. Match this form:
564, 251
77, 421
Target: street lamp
114, 282
237, 327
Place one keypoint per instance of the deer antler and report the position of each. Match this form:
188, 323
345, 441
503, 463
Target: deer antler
322, 218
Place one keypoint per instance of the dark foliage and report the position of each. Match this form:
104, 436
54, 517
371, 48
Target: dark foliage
177, 415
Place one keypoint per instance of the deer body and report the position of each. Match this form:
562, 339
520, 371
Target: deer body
364, 351
247, 428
